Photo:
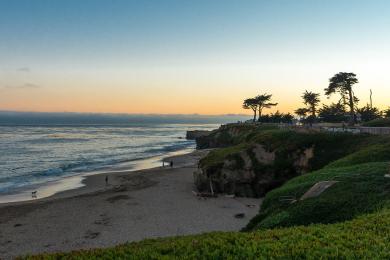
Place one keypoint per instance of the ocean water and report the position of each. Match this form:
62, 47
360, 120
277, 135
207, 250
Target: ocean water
36, 155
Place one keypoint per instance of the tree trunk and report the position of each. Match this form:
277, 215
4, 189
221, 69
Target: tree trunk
260, 111
254, 115
352, 119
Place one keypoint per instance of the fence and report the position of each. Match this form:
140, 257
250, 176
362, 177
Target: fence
354, 130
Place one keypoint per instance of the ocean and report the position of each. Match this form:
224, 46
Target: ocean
33, 155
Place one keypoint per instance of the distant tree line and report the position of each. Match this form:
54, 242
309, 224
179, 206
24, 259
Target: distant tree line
344, 110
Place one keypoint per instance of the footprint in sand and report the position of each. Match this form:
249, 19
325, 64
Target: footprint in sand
118, 197
104, 221
91, 235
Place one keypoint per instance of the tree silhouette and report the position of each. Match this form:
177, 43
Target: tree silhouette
263, 101
301, 113
311, 100
369, 113
386, 113
277, 117
334, 113
342, 83
251, 103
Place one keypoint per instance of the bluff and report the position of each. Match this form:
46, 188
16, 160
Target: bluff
194, 134
254, 159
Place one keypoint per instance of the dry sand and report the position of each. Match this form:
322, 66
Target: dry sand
151, 203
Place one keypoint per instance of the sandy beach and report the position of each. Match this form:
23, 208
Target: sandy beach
149, 203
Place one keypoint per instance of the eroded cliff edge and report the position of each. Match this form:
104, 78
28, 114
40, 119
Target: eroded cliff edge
251, 159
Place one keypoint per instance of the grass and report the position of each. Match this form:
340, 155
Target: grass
357, 162
360, 189
217, 157
371, 153
233, 134
366, 237
379, 122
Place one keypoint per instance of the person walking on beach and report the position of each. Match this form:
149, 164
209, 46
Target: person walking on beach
106, 180
171, 164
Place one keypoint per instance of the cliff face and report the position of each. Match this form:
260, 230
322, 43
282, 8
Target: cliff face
253, 171
257, 159
193, 135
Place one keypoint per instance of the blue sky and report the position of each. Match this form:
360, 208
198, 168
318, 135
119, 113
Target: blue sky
182, 46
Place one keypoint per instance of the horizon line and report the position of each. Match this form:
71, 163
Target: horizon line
123, 113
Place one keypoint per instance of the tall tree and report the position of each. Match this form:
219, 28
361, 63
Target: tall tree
301, 113
264, 101
251, 103
311, 100
342, 83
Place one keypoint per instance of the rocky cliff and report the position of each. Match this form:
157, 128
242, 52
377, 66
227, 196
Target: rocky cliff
252, 159
194, 134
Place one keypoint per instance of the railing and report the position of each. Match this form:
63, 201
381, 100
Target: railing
354, 130
324, 127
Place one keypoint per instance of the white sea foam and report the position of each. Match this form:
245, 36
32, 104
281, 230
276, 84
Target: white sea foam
34, 155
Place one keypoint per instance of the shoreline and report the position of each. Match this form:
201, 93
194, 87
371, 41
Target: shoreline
75, 182
136, 205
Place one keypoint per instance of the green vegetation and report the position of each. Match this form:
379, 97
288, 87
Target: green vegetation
286, 142
372, 153
217, 157
327, 147
357, 162
359, 189
379, 122
229, 135
292, 153
366, 237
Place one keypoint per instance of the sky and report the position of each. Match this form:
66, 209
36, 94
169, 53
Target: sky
184, 57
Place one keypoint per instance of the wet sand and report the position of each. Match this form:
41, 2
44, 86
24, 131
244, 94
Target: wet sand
150, 203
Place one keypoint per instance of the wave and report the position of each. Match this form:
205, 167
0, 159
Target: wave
87, 165
36, 155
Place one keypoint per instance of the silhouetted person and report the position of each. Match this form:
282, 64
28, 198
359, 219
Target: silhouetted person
171, 164
106, 180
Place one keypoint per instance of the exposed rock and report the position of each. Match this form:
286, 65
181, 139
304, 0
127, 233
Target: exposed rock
192, 135
303, 161
251, 172
263, 156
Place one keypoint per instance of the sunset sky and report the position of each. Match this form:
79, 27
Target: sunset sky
185, 56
